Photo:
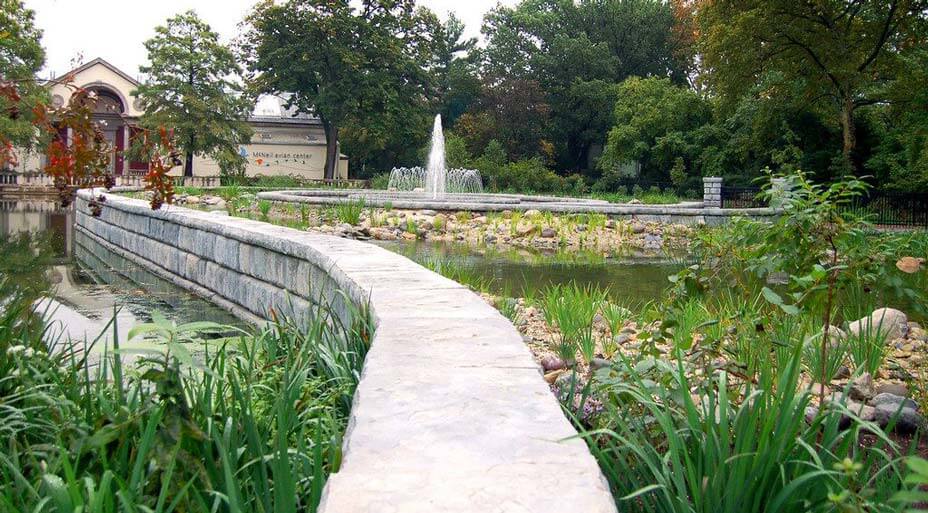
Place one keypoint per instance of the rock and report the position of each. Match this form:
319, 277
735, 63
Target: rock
566, 379
428, 212
897, 389
193, 200
551, 362
892, 400
638, 228
600, 363
580, 228
522, 231
427, 226
622, 338
549, 233
905, 420
211, 200
489, 238
532, 213
628, 330
610, 224
816, 389
843, 372
811, 413
887, 322
635, 202
835, 335
917, 333
552, 377
862, 387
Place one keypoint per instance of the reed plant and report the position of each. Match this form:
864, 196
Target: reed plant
350, 211
264, 207
572, 308
676, 444
251, 425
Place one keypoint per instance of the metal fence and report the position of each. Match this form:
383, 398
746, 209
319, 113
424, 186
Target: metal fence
742, 197
893, 209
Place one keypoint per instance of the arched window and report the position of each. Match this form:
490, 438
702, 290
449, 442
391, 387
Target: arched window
108, 101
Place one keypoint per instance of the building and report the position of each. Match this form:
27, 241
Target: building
284, 143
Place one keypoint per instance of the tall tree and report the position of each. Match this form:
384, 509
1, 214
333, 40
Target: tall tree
576, 52
21, 58
358, 64
839, 53
191, 86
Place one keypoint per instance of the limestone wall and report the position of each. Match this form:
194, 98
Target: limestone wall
451, 414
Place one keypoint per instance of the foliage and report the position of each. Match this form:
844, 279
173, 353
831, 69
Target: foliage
665, 449
350, 211
254, 424
572, 308
21, 58
834, 53
659, 126
191, 87
362, 66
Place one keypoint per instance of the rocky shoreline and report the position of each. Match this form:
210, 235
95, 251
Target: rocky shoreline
875, 399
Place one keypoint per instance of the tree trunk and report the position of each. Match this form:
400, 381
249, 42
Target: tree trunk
849, 133
188, 164
331, 150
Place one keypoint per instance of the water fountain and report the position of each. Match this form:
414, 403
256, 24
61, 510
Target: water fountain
437, 187
435, 180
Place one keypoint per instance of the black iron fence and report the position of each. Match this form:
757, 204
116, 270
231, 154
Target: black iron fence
742, 197
893, 209
637, 188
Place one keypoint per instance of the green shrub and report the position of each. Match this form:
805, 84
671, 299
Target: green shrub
380, 181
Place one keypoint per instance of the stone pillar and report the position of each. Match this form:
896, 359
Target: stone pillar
778, 191
712, 192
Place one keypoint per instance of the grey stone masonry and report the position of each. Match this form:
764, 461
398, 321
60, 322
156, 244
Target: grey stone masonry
451, 413
712, 192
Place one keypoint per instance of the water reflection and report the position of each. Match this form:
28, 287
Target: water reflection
631, 278
81, 285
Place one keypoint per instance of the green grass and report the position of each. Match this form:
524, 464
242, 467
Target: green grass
253, 425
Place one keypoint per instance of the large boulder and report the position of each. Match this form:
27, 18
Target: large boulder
887, 322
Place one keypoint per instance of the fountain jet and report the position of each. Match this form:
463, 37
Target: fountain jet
435, 170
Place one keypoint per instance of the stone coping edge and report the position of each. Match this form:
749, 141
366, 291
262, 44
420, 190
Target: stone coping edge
680, 209
451, 413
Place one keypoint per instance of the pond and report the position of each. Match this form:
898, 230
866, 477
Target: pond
631, 279
80, 284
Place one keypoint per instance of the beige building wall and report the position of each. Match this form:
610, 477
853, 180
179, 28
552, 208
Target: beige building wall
282, 145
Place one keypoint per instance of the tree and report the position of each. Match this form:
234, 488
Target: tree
363, 67
838, 53
577, 52
21, 58
191, 87
658, 125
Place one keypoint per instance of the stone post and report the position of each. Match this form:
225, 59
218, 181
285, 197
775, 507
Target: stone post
712, 192
778, 190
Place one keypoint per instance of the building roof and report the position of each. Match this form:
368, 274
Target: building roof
280, 114
107, 65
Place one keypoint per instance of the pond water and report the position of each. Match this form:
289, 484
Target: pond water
631, 279
81, 284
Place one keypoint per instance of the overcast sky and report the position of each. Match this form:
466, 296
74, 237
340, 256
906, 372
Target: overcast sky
116, 29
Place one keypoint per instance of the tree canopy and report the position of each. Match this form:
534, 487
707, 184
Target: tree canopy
21, 58
362, 70
192, 87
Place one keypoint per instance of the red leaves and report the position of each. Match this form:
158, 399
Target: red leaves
82, 160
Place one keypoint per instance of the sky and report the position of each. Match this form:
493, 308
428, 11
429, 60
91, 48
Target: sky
116, 29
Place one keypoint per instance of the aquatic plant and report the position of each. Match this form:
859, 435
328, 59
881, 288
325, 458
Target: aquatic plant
264, 206
254, 424
571, 309
669, 443
350, 211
